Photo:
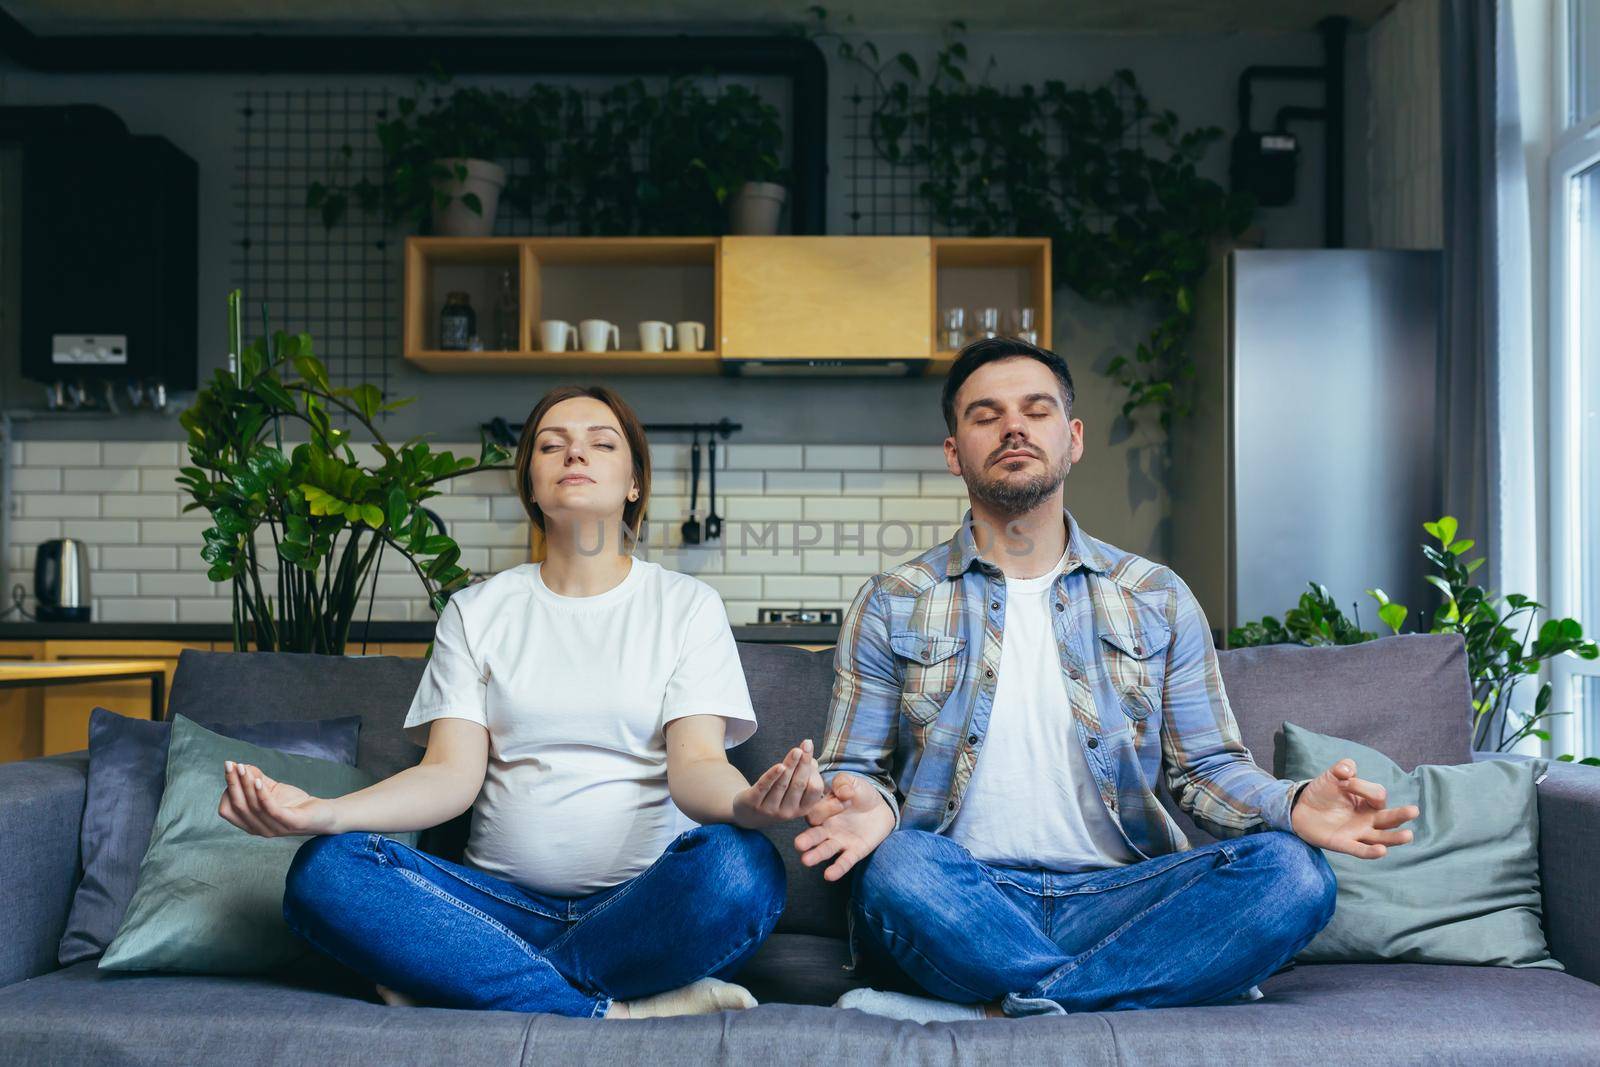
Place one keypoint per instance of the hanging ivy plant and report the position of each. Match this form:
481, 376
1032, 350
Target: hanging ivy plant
1111, 180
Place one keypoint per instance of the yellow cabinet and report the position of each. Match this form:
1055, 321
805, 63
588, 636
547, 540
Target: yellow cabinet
827, 297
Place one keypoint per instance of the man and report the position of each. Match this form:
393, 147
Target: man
1002, 706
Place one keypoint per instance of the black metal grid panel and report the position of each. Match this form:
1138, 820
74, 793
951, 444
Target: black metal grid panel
340, 285
882, 197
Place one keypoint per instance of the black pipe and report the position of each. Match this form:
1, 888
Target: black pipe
1331, 74
257, 53
1333, 31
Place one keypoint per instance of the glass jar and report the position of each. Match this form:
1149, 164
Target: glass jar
457, 323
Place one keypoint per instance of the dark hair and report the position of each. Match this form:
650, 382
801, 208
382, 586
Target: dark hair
987, 350
632, 430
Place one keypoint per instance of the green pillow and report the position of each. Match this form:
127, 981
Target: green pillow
210, 896
1464, 889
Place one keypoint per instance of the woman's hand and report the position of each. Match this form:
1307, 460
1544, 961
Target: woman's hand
258, 805
786, 791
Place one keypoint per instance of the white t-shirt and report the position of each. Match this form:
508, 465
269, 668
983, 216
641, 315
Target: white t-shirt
575, 692
1032, 800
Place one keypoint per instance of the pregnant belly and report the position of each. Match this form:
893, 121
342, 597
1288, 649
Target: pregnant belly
570, 837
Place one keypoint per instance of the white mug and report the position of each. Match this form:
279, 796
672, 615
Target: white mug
554, 335
691, 336
596, 332
655, 336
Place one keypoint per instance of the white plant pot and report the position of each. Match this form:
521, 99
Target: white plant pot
456, 219
755, 208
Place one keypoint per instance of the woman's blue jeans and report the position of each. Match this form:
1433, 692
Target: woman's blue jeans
454, 936
1194, 927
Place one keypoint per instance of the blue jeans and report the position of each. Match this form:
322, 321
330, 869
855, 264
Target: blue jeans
454, 936
1194, 927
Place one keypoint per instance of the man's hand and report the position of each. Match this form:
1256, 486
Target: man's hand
846, 825
786, 791
258, 805
1339, 811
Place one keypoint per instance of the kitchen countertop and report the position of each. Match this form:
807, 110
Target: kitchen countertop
819, 633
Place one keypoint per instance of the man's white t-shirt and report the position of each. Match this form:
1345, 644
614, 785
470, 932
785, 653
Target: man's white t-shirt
576, 692
1032, 800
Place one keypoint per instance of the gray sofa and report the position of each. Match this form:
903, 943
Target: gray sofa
1406, 696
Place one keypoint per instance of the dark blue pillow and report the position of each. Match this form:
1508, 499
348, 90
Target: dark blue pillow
127, 774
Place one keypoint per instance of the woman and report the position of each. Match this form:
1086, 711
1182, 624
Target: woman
581, 707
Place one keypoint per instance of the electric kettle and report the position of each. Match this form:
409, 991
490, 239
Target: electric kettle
61, 580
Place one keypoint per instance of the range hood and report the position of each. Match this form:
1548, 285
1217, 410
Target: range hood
816, 367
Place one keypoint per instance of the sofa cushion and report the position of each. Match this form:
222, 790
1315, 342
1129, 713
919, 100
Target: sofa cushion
224, 687
790, 689
1406, 695
127, 775
1347, 1012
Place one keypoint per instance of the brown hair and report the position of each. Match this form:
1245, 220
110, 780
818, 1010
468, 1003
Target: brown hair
632, 429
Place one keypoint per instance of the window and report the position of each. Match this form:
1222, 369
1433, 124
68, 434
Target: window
1575, 382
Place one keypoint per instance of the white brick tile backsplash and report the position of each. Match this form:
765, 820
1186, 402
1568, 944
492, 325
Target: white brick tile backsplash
36, 480
880, 483
835, 507
803, 482
913, 458
59, 506
219, 609
803, 524
60, 453
162, 480
943, 484
118, 479
762, 457
139, 557
139, 506
104, 531
179, 584
844, 457
149, 453
113, 583
794, 587
135, 609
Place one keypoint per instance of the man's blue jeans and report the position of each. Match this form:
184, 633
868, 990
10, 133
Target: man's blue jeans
454, 936
1194, 927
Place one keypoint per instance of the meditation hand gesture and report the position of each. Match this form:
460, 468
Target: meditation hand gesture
846, 825
786, 791
1339, 811
258, 805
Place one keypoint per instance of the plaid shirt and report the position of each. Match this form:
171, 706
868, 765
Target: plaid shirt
918, 659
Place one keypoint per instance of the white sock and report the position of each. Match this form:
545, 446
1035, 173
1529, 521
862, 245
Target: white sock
1253, 993
906, 1006
394, 999
705, 997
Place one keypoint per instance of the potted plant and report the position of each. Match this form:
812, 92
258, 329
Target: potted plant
329, 518
740, 159
1498, 656
439, 162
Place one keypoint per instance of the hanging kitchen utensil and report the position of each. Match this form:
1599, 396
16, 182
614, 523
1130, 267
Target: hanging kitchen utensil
691, 525
713, 520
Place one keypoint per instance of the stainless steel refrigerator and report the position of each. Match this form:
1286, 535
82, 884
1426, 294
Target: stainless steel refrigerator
1310, 451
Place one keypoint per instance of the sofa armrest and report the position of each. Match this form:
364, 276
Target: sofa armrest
1569, 841
41, 813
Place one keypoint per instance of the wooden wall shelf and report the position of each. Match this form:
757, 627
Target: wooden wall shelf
785, 297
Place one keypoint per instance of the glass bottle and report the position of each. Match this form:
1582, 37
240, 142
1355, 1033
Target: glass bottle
457, 323
505, 313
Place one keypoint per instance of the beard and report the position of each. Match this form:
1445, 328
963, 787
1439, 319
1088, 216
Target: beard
1011, 496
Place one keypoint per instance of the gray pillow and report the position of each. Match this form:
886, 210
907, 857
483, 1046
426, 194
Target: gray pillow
127, 773
210, 895
1464, 889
